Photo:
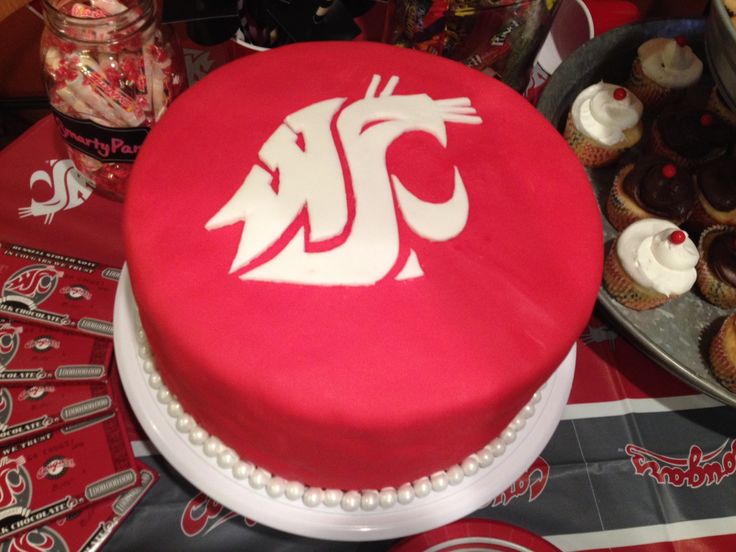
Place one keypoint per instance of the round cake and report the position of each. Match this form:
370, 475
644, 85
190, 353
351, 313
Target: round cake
354, 263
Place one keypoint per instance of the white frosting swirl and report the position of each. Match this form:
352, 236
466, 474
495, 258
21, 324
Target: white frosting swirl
653, 261
600, 116
668, 64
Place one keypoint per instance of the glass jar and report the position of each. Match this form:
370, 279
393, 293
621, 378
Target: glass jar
110, 72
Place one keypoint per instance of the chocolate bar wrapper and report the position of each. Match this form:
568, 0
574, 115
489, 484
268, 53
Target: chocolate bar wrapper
89, 529
30, 353
28, 410
59, 472
57, 290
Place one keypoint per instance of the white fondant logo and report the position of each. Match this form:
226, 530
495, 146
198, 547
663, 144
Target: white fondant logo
69, 189
304, 155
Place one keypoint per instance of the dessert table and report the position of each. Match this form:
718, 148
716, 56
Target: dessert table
640, 460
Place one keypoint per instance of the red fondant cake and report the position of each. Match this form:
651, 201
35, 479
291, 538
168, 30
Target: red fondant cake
356, 263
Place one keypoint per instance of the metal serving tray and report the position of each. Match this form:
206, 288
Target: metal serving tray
676, 335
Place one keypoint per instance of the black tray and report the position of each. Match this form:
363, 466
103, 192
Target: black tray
676, 335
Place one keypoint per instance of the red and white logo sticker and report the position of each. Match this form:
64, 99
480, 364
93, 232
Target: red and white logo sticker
55, 467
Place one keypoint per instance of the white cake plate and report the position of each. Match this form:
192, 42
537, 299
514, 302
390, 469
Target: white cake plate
323, 522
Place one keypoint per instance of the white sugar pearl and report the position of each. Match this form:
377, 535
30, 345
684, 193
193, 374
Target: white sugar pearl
312, 497
149, 366
422, 487
387, 497
332, 497
536, 397
471, 465
184, 423
164, 396
144, 351
455, 475
405, 494
258, 478
350, 501
174, 409
197, 436
369, 500
213, 446
508, 436
498, 447
439, 481
227, 458
276, 487
528, 411
518, 423
154, 380
294, 490
485, 457
241, 470
141, 335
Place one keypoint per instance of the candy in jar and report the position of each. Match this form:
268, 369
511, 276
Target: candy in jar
110, 72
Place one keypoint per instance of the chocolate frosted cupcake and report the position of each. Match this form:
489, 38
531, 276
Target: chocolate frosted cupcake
722, 354
649, 264
604, 121
716, 184
651, 187
691, 137
663, 66
717, 266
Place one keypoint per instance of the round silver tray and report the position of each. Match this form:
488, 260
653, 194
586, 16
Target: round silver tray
676, 335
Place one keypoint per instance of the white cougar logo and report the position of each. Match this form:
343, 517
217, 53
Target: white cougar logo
69, 187
302, 151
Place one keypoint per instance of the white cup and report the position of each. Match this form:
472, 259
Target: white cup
571, 28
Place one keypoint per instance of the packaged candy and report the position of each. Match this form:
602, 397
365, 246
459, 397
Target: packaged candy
56, 290
88, 529
59, 472
32, 353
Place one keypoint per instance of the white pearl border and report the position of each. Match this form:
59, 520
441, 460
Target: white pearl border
312, 497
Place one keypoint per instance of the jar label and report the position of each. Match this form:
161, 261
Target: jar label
106, 144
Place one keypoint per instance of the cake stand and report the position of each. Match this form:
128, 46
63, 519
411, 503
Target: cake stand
323, 522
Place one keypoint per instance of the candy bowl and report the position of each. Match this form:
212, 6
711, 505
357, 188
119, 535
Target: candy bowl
110, 72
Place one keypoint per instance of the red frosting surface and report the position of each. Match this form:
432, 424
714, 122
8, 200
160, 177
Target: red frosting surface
361, 386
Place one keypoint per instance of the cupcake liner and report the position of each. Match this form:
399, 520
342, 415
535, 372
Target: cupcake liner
705, 215
720, 354
588, 152
620, 209
716, 291
700, 216
716, 105
649, 92
625, 290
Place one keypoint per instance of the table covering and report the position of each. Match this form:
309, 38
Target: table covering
640, 460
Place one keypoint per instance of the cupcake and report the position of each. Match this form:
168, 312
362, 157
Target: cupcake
691, 136
716, 200
649, 264
662, 66
722, 354
717, 105
650, 187
717, 266
604, 121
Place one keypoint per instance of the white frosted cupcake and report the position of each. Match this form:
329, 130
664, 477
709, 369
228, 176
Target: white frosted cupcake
649, 264
604, 121
662, 66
